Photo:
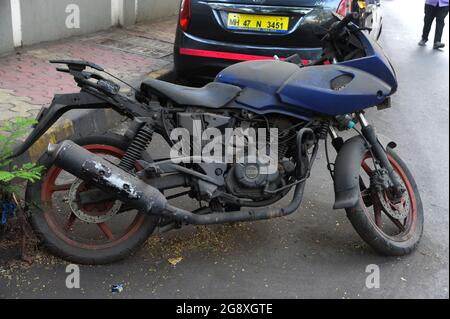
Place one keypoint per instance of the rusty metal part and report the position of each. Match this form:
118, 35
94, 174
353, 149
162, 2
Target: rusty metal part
399, 210
88, 215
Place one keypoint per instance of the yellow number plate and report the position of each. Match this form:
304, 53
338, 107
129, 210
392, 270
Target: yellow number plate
250, 22
362, 4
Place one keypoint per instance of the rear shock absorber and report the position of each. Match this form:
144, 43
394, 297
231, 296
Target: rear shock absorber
139, 144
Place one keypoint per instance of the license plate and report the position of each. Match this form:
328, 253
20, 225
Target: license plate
362, 4
250, 22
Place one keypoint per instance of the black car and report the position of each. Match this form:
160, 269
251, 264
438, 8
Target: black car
213, 34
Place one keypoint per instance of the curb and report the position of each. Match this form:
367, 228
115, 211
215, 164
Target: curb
164, 74
83, 123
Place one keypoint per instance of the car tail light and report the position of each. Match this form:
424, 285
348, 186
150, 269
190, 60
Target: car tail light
345, 6
185, 14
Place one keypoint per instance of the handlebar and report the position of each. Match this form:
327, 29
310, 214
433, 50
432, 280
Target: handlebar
334, 33
339, 26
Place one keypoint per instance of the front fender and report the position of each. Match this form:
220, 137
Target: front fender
347, 172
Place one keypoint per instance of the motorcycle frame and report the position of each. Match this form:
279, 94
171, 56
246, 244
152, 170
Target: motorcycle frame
348, 160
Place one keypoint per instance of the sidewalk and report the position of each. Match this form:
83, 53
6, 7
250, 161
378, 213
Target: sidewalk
28, 81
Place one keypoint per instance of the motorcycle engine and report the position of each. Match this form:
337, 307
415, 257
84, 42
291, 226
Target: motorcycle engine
247, 181
251, 179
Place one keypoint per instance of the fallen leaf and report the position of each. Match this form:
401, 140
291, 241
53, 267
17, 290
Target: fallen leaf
174, 261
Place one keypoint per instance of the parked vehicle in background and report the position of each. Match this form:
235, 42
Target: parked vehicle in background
213, 34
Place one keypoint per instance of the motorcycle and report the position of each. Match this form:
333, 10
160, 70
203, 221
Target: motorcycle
95, 180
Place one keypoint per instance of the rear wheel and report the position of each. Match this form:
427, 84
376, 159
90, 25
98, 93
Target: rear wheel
391, 228
86, 234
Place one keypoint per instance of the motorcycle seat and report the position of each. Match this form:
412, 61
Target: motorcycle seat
212, 95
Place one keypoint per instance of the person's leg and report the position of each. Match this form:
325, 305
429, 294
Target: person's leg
441, 14
428, 21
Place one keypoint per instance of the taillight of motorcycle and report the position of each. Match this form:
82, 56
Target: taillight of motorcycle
345, 6
185, 14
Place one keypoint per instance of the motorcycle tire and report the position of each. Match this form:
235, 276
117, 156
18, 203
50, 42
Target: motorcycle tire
372, 222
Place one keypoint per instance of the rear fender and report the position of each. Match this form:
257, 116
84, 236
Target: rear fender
347, 172
49, 115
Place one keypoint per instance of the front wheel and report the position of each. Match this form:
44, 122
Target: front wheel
390, 228
97, 233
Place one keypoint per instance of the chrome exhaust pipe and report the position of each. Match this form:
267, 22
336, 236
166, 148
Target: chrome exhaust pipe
108, 177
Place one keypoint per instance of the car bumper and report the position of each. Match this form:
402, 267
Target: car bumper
200, 58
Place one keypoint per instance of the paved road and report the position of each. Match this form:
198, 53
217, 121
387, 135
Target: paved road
315, 252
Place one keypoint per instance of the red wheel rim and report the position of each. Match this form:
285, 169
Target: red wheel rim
63, 232
411, 219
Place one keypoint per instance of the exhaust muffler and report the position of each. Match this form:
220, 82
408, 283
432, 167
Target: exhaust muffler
107, 177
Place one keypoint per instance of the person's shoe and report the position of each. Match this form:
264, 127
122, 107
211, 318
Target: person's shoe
422, 42
438, 45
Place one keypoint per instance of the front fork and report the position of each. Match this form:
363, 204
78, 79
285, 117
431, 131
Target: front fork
377, 150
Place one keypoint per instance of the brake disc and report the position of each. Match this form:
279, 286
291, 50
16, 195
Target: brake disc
86, 216
396, 210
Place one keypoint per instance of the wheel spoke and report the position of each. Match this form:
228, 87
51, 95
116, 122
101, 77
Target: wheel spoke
70, 222
61, 187
106, 231
366, 168
378, 215
396, 222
